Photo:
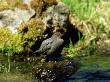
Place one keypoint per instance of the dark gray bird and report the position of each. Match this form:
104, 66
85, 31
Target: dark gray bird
52, 45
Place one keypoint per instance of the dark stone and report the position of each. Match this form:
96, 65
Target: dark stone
55, 71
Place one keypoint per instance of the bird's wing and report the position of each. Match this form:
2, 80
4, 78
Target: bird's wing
46, 42
56, 45
46, 45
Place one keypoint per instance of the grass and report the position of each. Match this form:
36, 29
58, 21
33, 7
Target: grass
92, 18
82, 8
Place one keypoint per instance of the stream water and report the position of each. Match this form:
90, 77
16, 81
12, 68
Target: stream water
21, 71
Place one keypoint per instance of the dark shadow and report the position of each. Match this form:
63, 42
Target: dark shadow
36, 45
72, 34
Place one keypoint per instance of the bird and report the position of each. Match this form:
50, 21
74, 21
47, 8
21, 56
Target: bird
53, 45
50, 45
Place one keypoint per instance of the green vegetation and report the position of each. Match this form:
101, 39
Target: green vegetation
9, 43
31, 32
82, 8
11, 4
28, 34
92, 18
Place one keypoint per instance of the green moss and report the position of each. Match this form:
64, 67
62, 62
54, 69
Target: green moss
9, 43
28, 35
11, 4
41, 5
32, 29
37, 5
31, 32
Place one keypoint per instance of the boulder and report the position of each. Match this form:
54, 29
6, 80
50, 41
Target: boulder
55, 71
34, 22
13, 18
43, 25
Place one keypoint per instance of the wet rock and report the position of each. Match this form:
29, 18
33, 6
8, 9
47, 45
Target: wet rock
55, 71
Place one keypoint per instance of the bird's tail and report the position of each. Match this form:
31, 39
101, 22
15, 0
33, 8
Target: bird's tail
37, 52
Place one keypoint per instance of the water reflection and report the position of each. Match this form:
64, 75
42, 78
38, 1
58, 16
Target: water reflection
34, 69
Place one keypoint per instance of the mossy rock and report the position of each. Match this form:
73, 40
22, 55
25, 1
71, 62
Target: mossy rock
41, 5
32, 34
29, 36
11, 4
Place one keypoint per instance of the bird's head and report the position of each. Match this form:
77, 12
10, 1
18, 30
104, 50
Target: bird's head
59, 32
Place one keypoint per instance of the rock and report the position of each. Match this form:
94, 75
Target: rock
57, 16
41, 6
55, 71
32, 34
13, 18
27, 2
36, 22
52, 20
